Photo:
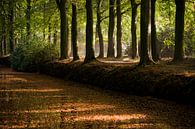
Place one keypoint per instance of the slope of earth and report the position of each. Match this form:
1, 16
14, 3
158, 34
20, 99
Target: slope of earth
163, 80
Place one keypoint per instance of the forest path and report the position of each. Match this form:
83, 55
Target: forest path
29, 100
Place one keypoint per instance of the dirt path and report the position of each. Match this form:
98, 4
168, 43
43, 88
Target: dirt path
40, 101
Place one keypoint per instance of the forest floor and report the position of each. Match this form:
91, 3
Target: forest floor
165, 80
31, 100
162, 80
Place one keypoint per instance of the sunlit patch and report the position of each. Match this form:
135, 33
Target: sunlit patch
136, 126
32, 90
21, 126
188, 74
86, 106
74, 107
110, 117
13, 80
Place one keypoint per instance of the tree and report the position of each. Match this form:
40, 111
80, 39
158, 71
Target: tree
119, 30
99, 29
155, 55
110, 52
74, 32
3, 22
179, 30
89, 33
144, 56
11, 25
63, 29
134, 7
28, 10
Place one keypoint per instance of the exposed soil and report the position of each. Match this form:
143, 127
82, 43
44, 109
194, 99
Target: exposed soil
39, 101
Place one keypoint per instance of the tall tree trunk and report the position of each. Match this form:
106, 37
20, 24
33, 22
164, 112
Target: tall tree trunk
155, 55
11, 24
28, 10
144, 57
179, 30
134, 7
1, 46
55, 37
110, 52
74, 32
99, 30
44, 19
89, 33
4, 43
119, 29
49, 31
63, 29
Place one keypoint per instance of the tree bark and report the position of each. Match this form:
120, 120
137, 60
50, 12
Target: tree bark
99, 30
89, 33
119, 30
111, 52
144, 57
28, 10
1, 46
74, 32
11, 25
4, 43
134, 7
55, 37
179, 30
44, 22
63, 29
49, 31
155, 55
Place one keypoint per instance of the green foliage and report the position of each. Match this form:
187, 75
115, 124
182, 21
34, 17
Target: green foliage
30, 54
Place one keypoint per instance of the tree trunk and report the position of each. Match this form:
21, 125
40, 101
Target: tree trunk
74, 32
5, 43
55, 37
134, 7
179, 30
11, 24
49, 31
89, 33
1, 46
119, 29
144, 57
155, 55
28, 10
63, 29
99, 30
110, 52
44, 22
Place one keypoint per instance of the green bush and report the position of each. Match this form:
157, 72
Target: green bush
30, 54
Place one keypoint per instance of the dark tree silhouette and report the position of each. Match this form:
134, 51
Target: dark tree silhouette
28, 10
63, 29
144, 56
119, 29
155, 55
74, 32
11, 25
134, 7
89, 33
99, 30
110, 52
179, 30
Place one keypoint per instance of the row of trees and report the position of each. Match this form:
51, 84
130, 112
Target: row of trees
46, 13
